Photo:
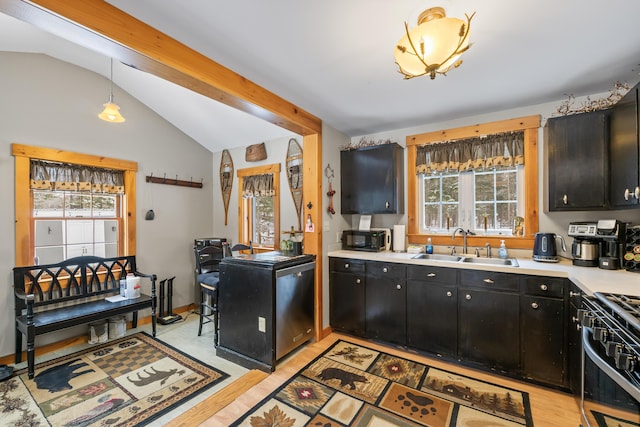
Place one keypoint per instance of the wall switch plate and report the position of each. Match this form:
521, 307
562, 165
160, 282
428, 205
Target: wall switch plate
262, 324
338, 236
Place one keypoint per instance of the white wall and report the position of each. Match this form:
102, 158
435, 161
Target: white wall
276, 153
45, 102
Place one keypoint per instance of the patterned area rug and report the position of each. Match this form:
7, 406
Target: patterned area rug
126, 382
351, 385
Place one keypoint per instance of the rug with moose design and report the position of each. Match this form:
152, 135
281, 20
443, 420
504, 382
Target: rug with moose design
352, 385
128, 381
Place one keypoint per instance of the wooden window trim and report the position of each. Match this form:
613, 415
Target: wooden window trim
243, 206
23, 203
529, 125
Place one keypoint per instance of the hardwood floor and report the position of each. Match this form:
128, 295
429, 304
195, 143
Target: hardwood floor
548, 407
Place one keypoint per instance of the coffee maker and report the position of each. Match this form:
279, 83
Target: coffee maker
612, 235
585, 248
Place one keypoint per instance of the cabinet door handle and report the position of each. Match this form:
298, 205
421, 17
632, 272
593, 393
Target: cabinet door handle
564, 199
431, 275
449, 293
398, 286
488, 281
346, 265
637, 193
534, 305
467, 297
627, 193
385, 269
543, 287
358, 281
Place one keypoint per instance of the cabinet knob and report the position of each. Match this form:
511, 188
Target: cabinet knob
398, 286
346, 265
488, 281
574, 294
431, 275
385, 269
543, 287
387, 205
534, 305
637, 193
449, 293
467, 296
627, 193
358, 281
564, 199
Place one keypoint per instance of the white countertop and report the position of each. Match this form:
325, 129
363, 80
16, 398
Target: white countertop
589, 279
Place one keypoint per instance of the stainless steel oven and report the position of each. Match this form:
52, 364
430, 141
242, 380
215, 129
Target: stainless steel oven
610, 360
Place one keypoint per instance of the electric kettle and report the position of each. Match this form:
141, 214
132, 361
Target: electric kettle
544, 247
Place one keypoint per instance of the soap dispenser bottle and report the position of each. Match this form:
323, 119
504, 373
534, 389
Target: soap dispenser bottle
429, 248
502, 251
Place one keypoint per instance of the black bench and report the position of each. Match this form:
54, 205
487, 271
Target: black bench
70, 293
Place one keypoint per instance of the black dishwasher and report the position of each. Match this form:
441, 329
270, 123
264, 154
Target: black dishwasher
266, 304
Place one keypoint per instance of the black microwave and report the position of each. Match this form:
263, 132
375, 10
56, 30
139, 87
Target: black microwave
371, 241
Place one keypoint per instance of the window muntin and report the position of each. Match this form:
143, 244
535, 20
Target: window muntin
464, 199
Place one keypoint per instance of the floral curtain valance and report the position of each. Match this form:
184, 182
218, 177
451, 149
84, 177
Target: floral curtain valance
503, 149
258, 185
62, 176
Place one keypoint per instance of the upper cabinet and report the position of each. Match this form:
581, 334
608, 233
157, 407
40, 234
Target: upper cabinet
371, 180
625, 152
578, 161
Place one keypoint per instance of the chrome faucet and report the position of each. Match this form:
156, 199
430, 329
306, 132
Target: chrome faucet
464, 238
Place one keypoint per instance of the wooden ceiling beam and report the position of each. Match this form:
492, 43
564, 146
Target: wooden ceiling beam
99, 26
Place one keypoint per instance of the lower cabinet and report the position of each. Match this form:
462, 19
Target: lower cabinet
432, 309
385, 302
488, 331
346, 287
511, 323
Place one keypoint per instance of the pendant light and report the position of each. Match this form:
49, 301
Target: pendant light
434, 46
111, 112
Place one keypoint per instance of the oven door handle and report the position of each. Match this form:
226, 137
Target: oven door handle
606, 368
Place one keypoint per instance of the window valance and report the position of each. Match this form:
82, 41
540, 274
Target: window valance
503, 149
70, 177
258, 185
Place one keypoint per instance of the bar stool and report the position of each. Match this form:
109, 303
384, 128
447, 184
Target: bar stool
208, 277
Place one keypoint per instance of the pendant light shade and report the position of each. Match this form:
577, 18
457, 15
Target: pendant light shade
111, 112
434, 46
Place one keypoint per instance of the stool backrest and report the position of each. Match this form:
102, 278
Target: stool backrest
208, 258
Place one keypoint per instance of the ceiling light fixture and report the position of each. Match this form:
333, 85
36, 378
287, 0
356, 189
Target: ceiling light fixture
434, 46
111, 112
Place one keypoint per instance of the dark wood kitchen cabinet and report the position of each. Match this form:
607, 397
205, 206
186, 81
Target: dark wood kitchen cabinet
543, 322
488, 315
347, 302
372, 180
625, 151
432, 309
385, 302
578, 161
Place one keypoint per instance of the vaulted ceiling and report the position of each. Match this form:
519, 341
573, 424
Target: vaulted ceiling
334, 58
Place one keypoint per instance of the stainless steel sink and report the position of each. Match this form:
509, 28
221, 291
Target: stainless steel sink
512, 262
438, 257
492, 261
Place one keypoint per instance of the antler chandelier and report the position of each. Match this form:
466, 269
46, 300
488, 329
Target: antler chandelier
434, 46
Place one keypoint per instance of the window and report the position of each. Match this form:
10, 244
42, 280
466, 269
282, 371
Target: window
57, 220
473, 189
259, 202
67, 224
486, 201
